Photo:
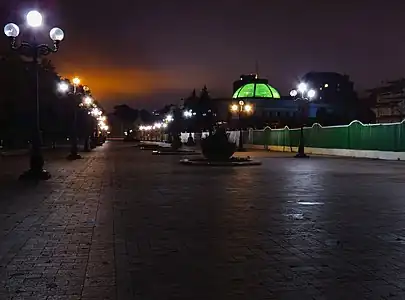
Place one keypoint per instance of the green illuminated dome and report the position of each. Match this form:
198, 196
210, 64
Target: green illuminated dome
256, 90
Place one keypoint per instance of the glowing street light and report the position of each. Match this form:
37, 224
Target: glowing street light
302, 87
306, 96
241, 108
234, 107
34, 19
11, 30
248, 108
76, 81
96, 112
311, 94
63, 87
88, 101
188, 114
56, 34
169, 118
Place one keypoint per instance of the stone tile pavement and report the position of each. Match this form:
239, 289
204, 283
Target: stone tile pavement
124, 224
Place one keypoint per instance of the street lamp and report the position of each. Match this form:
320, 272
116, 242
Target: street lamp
188, 114
88, 101
64, 87
169, 118
35, 51
241, 108
306, 96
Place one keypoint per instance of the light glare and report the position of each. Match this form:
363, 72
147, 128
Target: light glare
302, 87
311, 93
76, 81
34, 19
88, 101
234, 108
63, 87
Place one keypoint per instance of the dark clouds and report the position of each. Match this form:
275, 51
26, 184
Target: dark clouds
173, 46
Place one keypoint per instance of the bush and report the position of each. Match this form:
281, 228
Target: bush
217, 147
176, 142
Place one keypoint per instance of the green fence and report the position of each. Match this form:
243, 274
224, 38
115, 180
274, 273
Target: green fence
383, 137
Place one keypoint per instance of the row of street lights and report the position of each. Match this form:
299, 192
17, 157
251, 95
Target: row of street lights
81, 99
303, 95
35, 51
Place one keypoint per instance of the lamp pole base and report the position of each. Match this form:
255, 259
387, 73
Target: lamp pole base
301, 155
35, 175
73, 156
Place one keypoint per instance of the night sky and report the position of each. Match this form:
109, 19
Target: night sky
148, 53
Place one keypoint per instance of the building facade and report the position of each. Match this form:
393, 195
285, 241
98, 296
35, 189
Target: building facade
330, 87
389, 102
270, 108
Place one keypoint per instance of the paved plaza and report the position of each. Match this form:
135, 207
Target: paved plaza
124, 224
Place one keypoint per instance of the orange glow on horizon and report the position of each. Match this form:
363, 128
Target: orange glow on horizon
109, 82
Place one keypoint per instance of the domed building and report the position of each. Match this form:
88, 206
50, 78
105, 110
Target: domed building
269, 106
256, 90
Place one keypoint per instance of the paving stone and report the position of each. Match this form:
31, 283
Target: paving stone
123, 224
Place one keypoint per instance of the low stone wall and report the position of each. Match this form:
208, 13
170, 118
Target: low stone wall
372, 154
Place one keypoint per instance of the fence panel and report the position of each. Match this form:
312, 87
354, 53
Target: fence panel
355, 136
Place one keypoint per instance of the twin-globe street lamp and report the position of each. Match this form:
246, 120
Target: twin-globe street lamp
35, 51
241, 108
303, 95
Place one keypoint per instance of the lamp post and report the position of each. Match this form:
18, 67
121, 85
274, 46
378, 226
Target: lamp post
97, 113
303, 96
241, 108
65, 87
35, 51
188, 114
88, 102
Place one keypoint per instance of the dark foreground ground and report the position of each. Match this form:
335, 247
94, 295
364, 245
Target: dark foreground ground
123, 224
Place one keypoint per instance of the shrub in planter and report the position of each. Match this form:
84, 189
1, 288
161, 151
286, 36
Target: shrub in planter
190, 141
129, 138
176, 142
217, 147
